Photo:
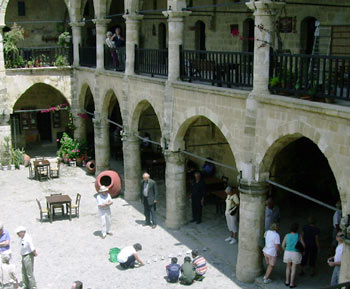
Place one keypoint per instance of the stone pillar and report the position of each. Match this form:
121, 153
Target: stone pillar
76, 38
264, 13
132, 167
175, 182
80, 124
132, 23
251, 227
2, 60
102, 146
101, 29
176, 30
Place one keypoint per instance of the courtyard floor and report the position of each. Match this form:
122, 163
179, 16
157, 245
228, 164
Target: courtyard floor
74, 250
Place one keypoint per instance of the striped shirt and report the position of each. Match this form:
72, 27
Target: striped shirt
200, 265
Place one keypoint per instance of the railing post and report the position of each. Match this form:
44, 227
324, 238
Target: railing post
76, 39
176, 28
136, 64
101, 28
132, 22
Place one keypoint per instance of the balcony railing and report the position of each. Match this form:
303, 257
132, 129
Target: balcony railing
310, 76
39, 57
153, 62
87, 56
114, 58
217, 67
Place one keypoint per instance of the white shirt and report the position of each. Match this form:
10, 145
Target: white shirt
272, 238
102, 200
110, 43
7, 274
27, 245
125, 253
336, 218
338, 253
229, 204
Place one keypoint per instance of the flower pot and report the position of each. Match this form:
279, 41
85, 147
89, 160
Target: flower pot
21, 167
91, 167
12, 167
72, 163
111, 180
26, 160
4, 168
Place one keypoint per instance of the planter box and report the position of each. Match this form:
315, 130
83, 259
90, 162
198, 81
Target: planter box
72, 163
4, 168
12, 167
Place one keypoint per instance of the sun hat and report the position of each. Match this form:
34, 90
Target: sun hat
20, 229
103, 189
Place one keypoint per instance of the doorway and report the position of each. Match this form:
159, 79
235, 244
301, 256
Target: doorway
44, 126
200, 36
307, 29
248, 35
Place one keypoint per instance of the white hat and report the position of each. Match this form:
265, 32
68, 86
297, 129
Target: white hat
20, 229
103, 189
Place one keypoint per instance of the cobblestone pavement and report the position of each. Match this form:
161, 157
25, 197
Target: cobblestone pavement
74, 250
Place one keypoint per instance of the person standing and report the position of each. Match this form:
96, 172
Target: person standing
111, 45
128, 256
272, 214
149, 195
120, 46
104, 202
271, 250
197, 196
336, 260
336, 222
28, 253
4, 241
292, 257
311, 236
232, 203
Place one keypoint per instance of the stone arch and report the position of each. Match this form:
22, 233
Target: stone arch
108, 95
81, 99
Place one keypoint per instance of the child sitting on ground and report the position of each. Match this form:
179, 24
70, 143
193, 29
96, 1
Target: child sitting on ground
187, 272
173, 271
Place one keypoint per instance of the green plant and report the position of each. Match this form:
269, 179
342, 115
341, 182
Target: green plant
11, 40
71, 148
61, 60
64, 39
17, 157
5, 151
70, 124
275, 81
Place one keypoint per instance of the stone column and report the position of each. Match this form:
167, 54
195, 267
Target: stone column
175, 182
265, 14
132, 167
251, 227
76, 38
101, 29
176, 30
102, 146
132, 22
2, 60
80, 124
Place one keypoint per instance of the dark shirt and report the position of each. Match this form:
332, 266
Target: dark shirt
118, 42
198, 189
310, 233
173, 271
187, 272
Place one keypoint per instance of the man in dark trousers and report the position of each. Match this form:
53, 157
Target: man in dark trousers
148, 195
197, 196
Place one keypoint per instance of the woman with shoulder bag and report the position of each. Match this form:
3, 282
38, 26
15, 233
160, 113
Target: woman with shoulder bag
293, 245
231, 213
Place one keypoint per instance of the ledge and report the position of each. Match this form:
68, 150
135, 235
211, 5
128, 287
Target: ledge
37, 70
332, 110
144, 78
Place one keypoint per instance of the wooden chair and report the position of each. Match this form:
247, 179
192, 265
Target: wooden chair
31, 171
76, 206
61, 207
55, 169
42, 211
43, 173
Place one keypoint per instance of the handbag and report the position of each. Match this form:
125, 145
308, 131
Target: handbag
233, 210
299, 246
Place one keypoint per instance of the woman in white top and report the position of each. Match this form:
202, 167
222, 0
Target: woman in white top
104, 201
232, 201
271, 250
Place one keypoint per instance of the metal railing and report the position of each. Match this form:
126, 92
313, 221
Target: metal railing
39, 57
151, 61
310, 76
345, 285
114, 58
217, 67
87, 56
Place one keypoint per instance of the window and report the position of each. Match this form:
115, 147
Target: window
21, 8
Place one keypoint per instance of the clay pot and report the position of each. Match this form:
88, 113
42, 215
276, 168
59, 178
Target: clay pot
79, 161
111, 180
26, 160
91, 167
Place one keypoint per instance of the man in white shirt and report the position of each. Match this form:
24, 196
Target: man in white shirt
104, 201
336, 260
28, 253
128, 256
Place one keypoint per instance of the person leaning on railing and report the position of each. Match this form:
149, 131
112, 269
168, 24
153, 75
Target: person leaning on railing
336, 260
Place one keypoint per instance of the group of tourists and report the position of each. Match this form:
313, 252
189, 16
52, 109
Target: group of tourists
8, 279
116, 44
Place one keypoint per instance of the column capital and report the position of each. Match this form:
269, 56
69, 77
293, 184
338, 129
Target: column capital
174, 157
176, 15
133, 17
265, 7
76, 24
253, 188
101, 22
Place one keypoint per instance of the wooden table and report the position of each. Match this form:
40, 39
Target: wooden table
59, 200
40, 164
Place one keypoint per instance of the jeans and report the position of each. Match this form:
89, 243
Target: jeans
130, 263
335, 276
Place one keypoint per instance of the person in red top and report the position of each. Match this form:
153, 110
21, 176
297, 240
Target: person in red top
200, 265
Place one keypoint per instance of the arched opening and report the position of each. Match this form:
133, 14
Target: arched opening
162, 36
88, 30
89, 107
299, 164
116, 12
200, 35
40, 117
307, 35
248, 35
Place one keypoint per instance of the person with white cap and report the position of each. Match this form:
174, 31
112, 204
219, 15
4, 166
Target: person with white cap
4, 241
8, 278
28, 253
104, 201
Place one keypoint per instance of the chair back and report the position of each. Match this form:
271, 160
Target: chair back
58, 194
77, 200
39, 158
38, 204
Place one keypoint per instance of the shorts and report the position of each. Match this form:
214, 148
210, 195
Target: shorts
292, 257
270, 260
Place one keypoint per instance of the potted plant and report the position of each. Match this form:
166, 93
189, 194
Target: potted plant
18, 158
5, 153
71, 150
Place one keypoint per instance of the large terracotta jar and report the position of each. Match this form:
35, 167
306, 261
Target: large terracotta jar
111, 180
91, 167
26, 160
